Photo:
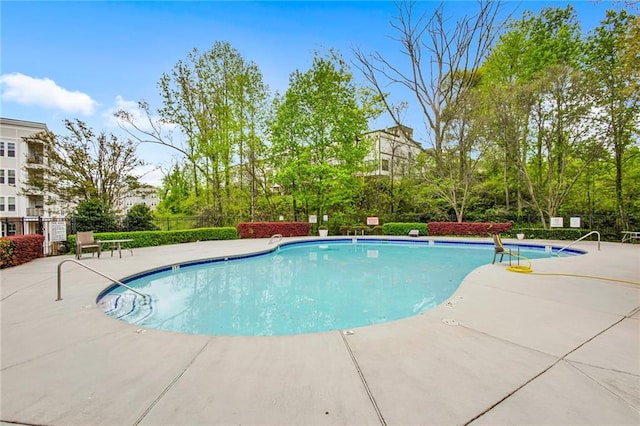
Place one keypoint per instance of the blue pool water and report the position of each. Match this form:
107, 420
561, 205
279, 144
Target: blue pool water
301, 288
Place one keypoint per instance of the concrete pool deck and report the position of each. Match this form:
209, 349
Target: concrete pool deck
507, 348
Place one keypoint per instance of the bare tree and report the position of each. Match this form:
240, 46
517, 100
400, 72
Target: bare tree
442, 65
443, 61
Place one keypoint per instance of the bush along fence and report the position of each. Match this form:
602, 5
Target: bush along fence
552, 234
400, 228
161, 238
20, 249
268, 229
481, 229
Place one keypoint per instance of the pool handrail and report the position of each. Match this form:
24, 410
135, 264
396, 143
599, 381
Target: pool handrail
144, 296
582, 238
278, 236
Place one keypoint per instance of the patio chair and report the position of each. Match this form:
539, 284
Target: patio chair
86, 243
499, 248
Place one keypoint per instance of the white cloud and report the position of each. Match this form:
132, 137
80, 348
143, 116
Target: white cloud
138, 116
44, 92
150, 175
134, 111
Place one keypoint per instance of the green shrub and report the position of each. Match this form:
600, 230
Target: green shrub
401, 228
550, 234
160, 238
140, 218
95, 215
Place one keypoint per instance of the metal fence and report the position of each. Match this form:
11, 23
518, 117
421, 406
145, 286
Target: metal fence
608, 225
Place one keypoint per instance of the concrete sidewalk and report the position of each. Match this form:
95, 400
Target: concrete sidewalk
507, 348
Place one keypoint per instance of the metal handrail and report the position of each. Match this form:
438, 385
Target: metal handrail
582, 238
144, 296
278, 236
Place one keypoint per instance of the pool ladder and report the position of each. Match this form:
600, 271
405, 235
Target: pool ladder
144, 296
580, 239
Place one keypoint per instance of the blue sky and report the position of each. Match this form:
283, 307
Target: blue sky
85, 60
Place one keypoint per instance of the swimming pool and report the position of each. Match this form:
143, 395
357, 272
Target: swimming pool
301, 287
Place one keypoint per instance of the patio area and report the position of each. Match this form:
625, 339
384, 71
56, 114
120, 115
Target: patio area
507, 348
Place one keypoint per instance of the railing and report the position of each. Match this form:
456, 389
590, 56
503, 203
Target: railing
275, 236
144, 296
582, 238
35, 211
35, 159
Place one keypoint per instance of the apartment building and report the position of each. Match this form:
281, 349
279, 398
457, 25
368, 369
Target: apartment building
394, 151
147, 195
22, 207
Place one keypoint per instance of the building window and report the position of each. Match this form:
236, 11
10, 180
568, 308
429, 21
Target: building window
11, 204
11, 177
11, 149
11, 229
2, 177
1, 204
1, 149
385, 165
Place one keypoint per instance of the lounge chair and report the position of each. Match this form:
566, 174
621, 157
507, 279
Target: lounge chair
86, 243
499, 248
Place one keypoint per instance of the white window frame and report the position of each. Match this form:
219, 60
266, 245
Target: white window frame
9, 205
14, 177
1, 204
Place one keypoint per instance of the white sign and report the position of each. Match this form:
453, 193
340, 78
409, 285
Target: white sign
556, 222
313, 218
373, 220
58, 231
325, 218
574, 222
281, 218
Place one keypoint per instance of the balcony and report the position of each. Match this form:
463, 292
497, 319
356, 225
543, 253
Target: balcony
35, 211
32, 190
35, 160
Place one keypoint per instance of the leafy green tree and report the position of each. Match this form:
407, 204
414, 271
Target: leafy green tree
85, 166
541, 108
315, 143
95, 215
177, 193
612, 75
140, 218
216, 99
562, 143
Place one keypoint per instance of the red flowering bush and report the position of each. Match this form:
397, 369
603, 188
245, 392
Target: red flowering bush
481, 229
268, 229
20, 249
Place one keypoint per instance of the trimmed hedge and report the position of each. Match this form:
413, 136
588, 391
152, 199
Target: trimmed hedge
20, 249
551, 234
268, 229
481, 229
401, 228
161, 238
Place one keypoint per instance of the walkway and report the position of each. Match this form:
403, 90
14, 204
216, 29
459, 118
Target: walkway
507, 348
